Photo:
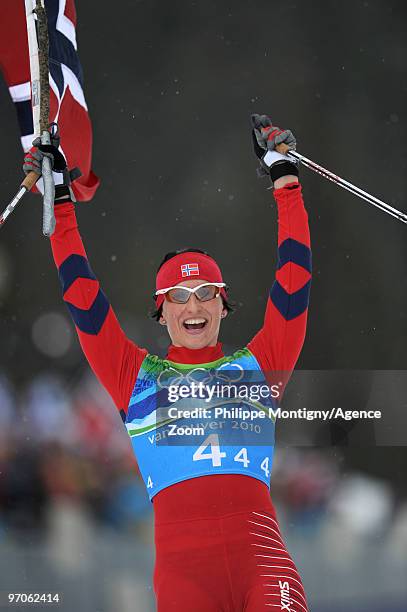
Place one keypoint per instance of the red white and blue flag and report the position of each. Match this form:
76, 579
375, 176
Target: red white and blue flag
67, 101
191, 269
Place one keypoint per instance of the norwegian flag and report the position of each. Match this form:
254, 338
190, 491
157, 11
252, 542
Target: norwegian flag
67, 101
191, 269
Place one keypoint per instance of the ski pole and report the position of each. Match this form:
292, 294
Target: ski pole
39, 66
308, 163
27, 184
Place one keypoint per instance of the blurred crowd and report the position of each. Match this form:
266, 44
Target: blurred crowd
57, 444
67, 442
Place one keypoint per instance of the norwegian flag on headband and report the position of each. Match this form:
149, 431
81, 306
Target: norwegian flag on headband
67, 101
190, 269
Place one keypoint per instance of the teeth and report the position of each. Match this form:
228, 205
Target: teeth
194, 321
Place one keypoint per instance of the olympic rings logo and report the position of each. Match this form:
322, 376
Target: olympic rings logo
228, 372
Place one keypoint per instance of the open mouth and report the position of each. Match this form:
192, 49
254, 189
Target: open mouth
195, 325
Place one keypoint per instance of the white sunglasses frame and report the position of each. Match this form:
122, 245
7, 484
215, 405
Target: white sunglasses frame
189, 289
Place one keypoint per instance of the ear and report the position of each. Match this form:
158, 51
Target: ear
224, 313
162, 320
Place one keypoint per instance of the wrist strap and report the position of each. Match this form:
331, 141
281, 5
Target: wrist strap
283, 168
271, 157
62, 194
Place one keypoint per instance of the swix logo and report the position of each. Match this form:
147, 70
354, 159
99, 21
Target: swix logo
285, 595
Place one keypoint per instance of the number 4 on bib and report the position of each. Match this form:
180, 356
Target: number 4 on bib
242, 457
265, 466
213, 441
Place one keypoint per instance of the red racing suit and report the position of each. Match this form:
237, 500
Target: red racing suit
218, 544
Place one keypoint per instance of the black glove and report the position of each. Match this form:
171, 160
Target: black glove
33, 163
266, 137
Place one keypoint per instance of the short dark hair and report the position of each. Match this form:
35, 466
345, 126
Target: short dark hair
157, 312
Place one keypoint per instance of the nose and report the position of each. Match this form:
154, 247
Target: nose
193, 304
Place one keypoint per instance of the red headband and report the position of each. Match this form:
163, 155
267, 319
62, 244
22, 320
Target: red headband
187, 266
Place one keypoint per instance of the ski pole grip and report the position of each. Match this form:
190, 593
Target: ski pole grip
30, 180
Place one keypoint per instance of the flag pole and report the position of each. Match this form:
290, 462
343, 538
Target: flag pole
39, 66
39, 70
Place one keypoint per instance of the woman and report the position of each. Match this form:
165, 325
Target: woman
218, 543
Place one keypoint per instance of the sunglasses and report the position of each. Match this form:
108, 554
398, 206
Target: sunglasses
181, 295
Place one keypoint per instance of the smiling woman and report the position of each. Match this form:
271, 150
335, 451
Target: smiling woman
191, 309
216, 531
195, 324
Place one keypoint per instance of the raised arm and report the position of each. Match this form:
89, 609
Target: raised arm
112, 356
278, 343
